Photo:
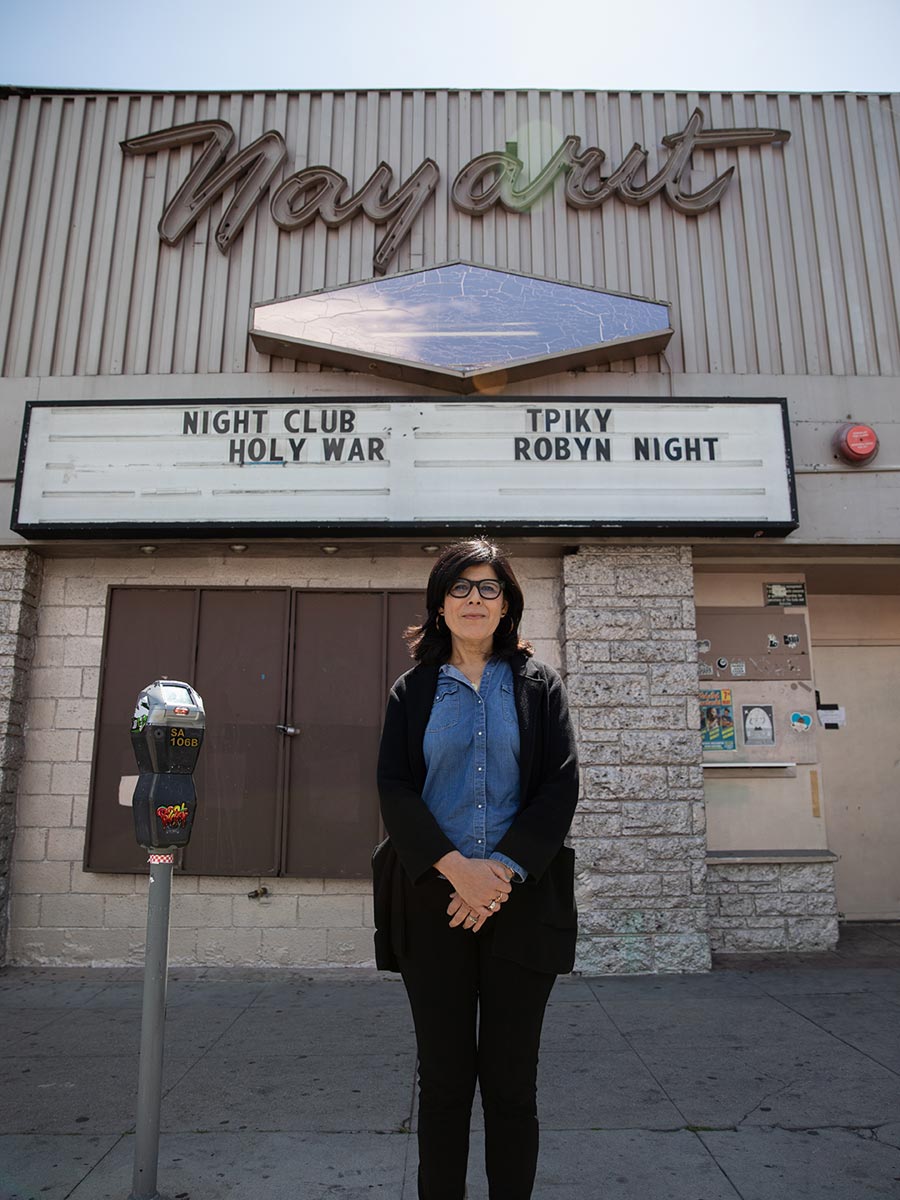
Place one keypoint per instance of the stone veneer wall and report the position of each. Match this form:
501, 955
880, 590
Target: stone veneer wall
20, 585
771, 906
639, 834
62, 914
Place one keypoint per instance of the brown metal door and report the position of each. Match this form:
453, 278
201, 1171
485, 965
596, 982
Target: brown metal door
241, 672
317, 816
149, 636
343, 654
404, 609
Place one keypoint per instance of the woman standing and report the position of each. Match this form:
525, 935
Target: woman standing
474, 900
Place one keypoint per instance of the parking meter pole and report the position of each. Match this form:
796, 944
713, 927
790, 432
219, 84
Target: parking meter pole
156, 964
166, 735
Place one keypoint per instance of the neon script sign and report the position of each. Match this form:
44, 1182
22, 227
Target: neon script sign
493, 178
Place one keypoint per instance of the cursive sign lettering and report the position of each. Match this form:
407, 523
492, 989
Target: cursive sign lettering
254, 166
492, 178
320, 191
489, 179
471, 194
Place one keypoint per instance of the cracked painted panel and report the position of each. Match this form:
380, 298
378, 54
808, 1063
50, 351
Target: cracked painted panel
462, 318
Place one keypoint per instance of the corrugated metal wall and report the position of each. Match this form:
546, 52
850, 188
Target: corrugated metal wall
794, 273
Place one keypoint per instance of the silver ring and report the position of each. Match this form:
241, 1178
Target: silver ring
492, 905
471, 917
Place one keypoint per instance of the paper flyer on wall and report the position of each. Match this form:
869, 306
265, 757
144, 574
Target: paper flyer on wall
759, 724
717, 719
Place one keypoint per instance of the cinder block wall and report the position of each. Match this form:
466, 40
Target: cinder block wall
639, 835
20, 583
61, 914
757, 907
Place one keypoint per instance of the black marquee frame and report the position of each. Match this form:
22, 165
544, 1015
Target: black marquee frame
190, 531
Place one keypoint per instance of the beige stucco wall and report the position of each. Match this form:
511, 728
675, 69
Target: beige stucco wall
61, 914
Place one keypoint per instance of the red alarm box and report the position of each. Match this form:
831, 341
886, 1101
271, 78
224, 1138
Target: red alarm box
855, 443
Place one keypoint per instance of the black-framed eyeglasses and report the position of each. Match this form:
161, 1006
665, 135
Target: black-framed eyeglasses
488, 589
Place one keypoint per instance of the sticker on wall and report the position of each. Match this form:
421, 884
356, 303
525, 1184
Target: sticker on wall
705, 670
717, 719
831, 716
801, 722
759, 724
786, 595
703, 646
721, 663
792, 639
738, 668
773, 641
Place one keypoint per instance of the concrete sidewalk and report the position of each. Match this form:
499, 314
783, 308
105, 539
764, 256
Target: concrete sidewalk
768, 1077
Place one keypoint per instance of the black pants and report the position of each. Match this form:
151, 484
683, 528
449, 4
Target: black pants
476, 1017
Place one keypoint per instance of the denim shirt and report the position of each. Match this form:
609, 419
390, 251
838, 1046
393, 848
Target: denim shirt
471, 751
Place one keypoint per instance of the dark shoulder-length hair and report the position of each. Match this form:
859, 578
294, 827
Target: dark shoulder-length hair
430, 642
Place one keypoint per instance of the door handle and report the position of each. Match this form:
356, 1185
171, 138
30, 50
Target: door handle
288, 730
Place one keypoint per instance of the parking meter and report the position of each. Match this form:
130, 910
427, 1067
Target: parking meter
166, 735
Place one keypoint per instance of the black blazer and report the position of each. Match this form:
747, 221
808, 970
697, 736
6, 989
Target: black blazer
537, 925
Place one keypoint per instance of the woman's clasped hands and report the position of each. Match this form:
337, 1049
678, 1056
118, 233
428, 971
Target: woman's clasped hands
481, 887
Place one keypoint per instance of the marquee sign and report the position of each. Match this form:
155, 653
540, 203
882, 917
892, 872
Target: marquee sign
489, 179
389, 466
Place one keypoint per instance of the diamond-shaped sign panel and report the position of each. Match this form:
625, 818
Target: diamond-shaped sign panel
462, 327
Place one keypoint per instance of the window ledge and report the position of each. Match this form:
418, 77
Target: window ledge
718, 858
746, 766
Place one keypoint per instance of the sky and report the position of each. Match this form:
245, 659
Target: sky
683, 45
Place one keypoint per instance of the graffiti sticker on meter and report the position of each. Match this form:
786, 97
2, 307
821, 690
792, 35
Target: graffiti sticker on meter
173, 816
141, 714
